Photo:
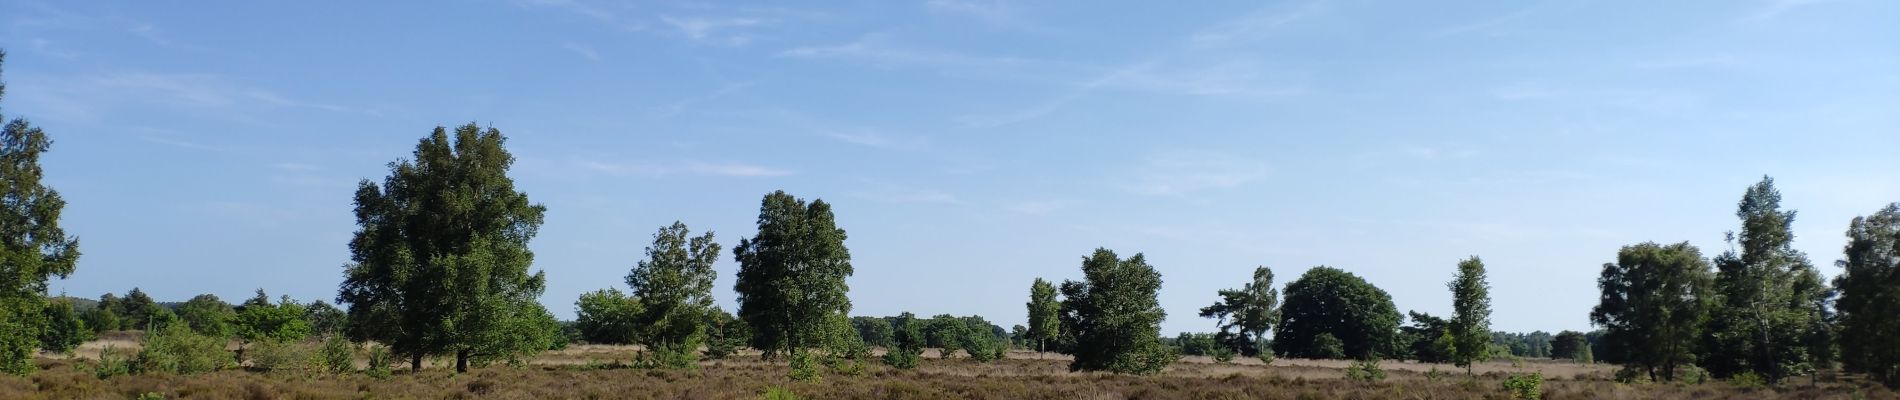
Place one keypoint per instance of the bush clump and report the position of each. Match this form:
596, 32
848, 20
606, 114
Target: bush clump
1525, 386
176, 349
339, 355
1365, 371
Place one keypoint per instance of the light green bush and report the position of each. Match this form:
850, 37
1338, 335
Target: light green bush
1525, 386
176, 349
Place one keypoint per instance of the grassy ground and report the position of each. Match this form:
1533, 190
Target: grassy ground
578, 372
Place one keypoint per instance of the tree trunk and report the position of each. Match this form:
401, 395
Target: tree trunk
415, 363
461, 361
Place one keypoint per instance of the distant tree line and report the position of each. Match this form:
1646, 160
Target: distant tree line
440, 267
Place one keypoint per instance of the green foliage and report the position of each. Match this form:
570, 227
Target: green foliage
139, 312
1470, 326
873, 331
1196, 344
379, 361
207, 315
1747, 379
791, 277
325, 319
62, 329
1115, 317
112, 364
151, 396
778, 393
1326, 301
440, 261
1570, 345
258, 320
1426, 338
674, 288
1365, 371
33, 248
1245, 314
1773, 307
284, 356
1045, 312
804, 368
175, 349
1654, 300
908, 343
1328, 347
339, 355
1525, 386
103, 316
1869, 284
607, 317
725, 334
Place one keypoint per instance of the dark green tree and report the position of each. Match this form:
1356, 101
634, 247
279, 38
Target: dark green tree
1244, 315
1115, 316
440, 261
1655, 299
1773, 301
1427, 338
791, 278
207, 315
908, 342
1569, 345
1044, 315
1869, 307
33, 248
873, 331
674, 288
259, 320
1471, 314
325, 319
1337, 304
64, 329
104, 316
140, 312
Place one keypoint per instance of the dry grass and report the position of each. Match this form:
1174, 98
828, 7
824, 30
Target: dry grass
574, 373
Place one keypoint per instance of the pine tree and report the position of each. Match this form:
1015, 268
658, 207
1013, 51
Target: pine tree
1244, 315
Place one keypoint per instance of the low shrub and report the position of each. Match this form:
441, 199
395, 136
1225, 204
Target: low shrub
1748, 380
803, 368
1365, 371
176, 349
112, 364
379, 360
273, 355
1525, 386
339, 355
1222, 354
778, 393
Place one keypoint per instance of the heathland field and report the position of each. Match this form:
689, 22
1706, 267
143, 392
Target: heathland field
600, 371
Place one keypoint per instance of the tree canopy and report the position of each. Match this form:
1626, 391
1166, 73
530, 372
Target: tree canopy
1870, 296
1773, 301
1044, 314
1471, 314
33, 247
674, 288
1244, 315
791, 278
1115, 316
1327, 302
440, 259
1654, 301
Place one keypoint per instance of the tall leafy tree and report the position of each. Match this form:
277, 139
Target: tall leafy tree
207, 315
1044, 314
674, 288
1115, 316
1471, 314
1773, 300
791, 278
64, 330
33, 248
907, 341
1869, 307
440, 260
1655, 299
1244, 315
1569, 345
1328, 305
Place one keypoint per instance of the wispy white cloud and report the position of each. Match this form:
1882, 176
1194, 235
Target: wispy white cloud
877, 139
691, 167
877, 49
1254, 25
582, 50
1771, 9
574, 6
1490, 26
714, 30
179, 143
1037, 207
681, 106
1179, 173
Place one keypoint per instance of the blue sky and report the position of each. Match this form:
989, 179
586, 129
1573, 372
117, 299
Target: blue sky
970, 146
